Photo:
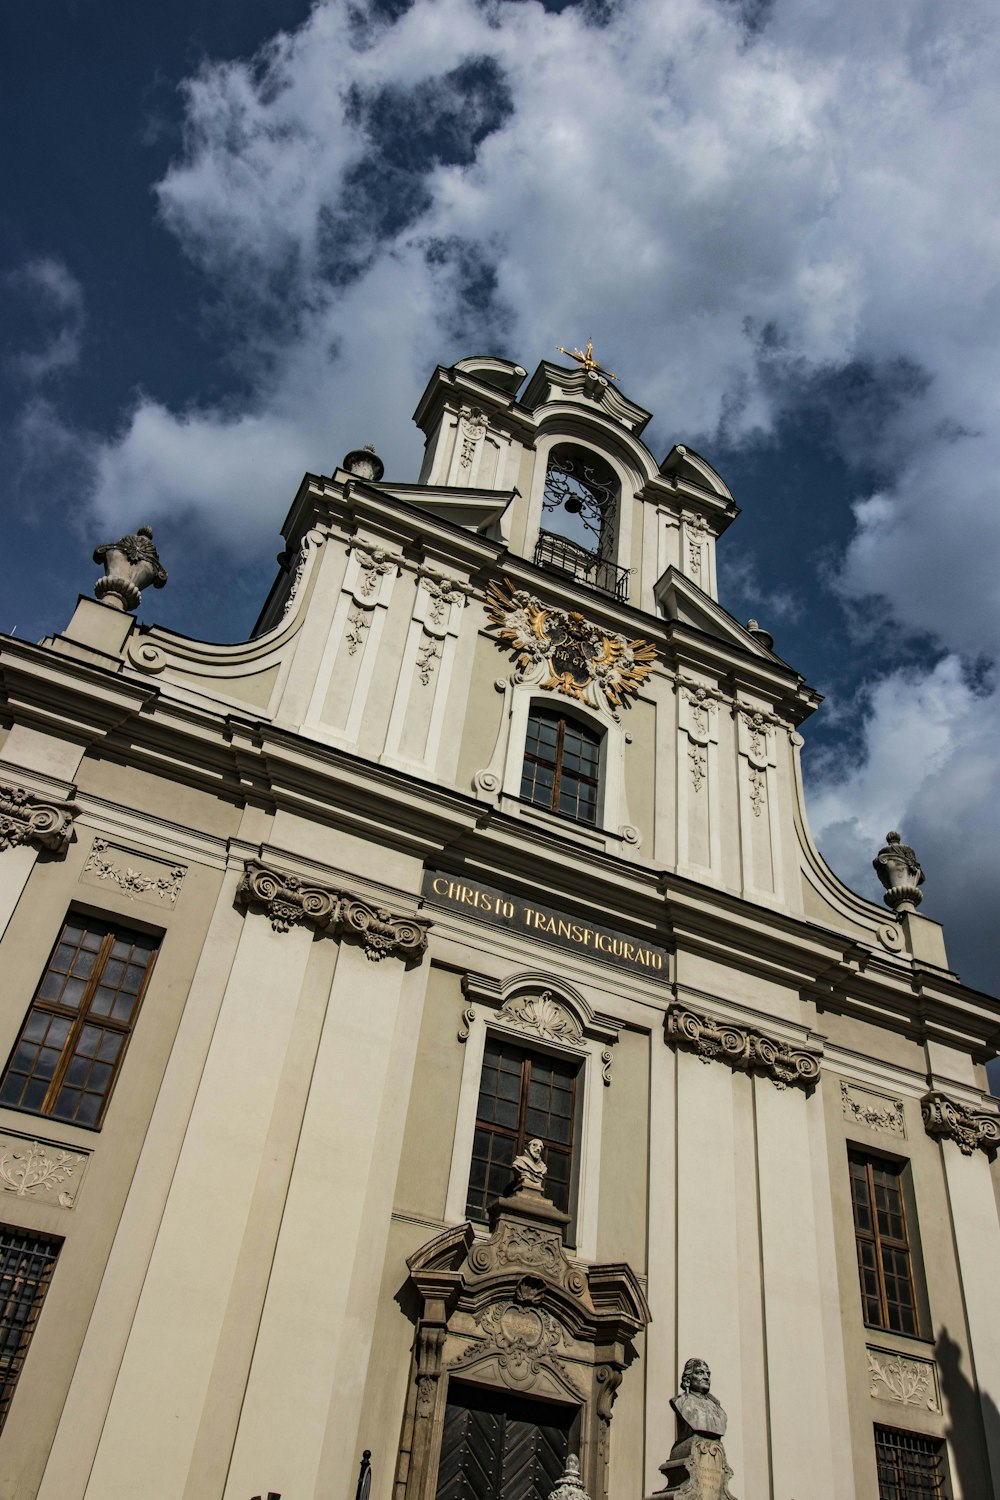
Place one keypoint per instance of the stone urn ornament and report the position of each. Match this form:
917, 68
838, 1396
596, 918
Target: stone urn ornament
898, 868
570, 1485
130, 565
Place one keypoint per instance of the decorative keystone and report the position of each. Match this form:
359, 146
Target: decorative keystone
130, 565
742, 1048
899, 871
289, 899
26, 817
970, 1129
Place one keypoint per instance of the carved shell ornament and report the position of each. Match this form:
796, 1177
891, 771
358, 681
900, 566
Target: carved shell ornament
580, 660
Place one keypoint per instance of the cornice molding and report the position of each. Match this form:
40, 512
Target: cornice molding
970, 1129
289, 899
29, 817
744, 1048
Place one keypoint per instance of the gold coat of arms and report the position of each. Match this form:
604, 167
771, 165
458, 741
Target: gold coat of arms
580, 660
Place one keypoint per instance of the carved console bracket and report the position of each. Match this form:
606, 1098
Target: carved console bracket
28, 817
970, 1129
289, 899
741, 1047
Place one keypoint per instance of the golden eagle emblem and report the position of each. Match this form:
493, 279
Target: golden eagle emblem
563, 651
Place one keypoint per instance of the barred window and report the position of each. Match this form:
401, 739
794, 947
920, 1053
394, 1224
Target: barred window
561, 765
26, 1265
74, 1036
523, 1096
910, 1466
885, 1264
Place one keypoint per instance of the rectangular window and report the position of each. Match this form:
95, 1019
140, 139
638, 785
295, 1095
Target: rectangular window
74, 1036
910, 1466
885, 1264
523, 1096
26, 1265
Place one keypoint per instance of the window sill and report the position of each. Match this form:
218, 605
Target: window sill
889, 1337
582, 833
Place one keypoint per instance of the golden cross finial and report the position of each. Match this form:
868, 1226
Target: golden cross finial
585, 359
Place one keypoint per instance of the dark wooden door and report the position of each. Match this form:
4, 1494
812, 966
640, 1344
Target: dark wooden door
498, 1446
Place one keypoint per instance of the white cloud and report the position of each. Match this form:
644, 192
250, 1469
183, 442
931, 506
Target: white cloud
710, 206
929, 767
54, 298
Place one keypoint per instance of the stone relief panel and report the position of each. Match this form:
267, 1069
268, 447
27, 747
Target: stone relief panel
742, 1047
28, 817
875, 1111
41, 1170
140, 877
543, 1015
903, 1378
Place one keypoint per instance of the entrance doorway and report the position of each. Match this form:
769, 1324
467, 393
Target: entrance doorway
497, 1446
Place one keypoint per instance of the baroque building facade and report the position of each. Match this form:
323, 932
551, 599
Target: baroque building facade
492, 833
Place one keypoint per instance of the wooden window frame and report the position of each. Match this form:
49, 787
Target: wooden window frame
877, 1240
557, 767
520, 1135
79, 1016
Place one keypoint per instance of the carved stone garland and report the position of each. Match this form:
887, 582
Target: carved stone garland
289, 899
28, 817
970, 1129
742, 1048
515, 1311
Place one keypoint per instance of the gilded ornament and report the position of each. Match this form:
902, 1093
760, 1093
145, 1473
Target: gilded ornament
581, 661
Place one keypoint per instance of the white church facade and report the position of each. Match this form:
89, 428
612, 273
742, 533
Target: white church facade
493, 833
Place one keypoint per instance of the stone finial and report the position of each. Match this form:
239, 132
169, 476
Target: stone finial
765, 637
529, 1169
899, 871
365, 463
570, 1486
130, 565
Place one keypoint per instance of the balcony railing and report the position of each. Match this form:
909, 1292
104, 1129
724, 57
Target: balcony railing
564, 556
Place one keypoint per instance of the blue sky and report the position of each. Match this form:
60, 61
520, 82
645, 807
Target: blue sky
236, 238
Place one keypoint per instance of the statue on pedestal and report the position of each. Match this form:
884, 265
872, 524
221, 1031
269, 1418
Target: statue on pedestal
697, 1467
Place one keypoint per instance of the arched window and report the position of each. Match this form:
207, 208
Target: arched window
561, 765
579, 516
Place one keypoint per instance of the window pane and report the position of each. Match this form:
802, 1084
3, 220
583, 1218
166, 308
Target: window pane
61, 1064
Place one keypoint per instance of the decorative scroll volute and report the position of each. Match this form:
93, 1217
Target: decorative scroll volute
289, 899
28, 817
742, 1048
970, 1129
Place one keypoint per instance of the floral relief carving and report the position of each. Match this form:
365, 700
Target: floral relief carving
701, 703
444, 592
131, 881
359, 621
873, 1110
289, 900
698, 532
371, 567
32, 1168
742, 1048
970, 1129
523, 1335
544, 1015
698, 758
758, 790
28, 817
897, 1377
473, 425
427, 655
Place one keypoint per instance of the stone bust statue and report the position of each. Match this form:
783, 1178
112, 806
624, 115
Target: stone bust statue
530, 1169
698, 1411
